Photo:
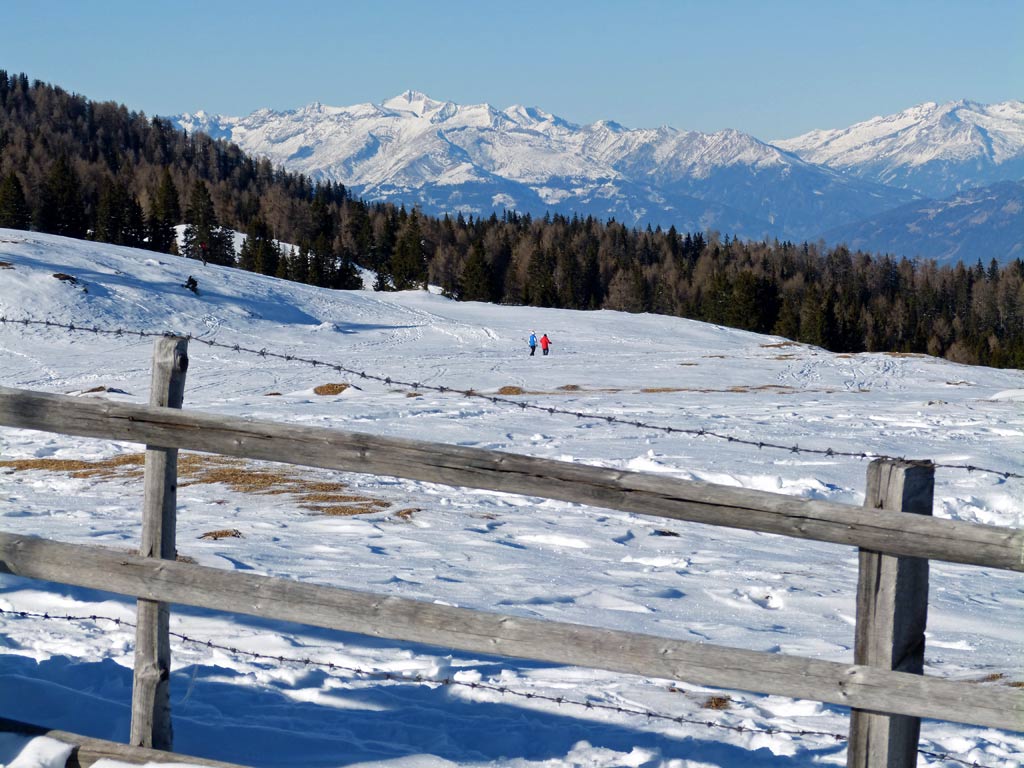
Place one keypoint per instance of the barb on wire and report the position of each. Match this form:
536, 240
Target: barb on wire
502, 690
499, 400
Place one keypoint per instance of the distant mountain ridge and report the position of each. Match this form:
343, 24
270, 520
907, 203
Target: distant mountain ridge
982, 223
444, 157
934, 149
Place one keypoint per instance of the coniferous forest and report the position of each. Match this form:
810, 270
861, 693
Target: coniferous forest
86, 169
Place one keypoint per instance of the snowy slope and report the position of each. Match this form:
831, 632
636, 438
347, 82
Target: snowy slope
487, 551
933, 149
474, 158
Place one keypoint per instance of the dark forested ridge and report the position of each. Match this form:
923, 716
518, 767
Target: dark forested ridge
86, 169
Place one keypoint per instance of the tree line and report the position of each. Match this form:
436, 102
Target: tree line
79, 168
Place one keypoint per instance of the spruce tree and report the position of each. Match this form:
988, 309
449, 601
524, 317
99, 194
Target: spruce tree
408, 265
164, 215
14, 212
475, 281
203, 237
61, 211
118, 216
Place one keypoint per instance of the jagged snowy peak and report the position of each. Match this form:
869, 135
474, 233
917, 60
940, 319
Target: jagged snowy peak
935, 149
475, 158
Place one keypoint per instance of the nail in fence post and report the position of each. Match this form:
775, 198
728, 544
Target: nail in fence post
151, 709
892, 611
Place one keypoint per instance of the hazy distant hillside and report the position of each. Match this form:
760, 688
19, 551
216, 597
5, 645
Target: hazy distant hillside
983, 224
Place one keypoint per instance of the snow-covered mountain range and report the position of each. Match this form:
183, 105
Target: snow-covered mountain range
936, 150
475, 159
445, 157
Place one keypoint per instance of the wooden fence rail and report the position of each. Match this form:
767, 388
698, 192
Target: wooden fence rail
879, 530
397, 618
884, 687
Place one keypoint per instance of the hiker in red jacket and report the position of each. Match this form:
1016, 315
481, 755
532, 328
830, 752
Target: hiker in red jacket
545, 342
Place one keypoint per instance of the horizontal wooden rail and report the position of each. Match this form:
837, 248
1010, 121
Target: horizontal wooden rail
884, 531
88, 750
464, 629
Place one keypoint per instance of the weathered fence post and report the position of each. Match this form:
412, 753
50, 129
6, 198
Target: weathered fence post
892, 610
151, 708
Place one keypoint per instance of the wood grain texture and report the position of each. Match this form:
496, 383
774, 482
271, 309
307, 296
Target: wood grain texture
448, 627
876, 529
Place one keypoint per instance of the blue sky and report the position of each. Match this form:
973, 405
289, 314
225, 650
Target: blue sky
772, 69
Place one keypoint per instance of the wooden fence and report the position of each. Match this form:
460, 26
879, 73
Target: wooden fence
884, 687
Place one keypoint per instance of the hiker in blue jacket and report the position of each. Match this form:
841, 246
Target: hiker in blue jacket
533, 342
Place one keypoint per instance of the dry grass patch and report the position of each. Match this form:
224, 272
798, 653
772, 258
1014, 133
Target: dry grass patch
655, 390
223, 533
323, 497
272, 394
780, 345
407, 513
904, 354
717, 703
66, 277
127, 465
330, 389
570, 387
778, 388
349, 509
511, 390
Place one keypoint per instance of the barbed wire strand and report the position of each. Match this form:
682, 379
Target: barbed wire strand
502, 690
499, 400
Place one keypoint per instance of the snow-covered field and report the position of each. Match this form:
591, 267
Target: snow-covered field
488, 551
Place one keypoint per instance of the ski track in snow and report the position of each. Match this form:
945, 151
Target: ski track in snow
489, 551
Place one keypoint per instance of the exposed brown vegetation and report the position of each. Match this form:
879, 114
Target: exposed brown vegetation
717, 703
330, 389
66, 278
6, 264
323, 497
511, 390
223, 533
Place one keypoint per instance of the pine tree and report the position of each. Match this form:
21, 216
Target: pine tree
118, 216
259, 253
61, 211
14, 211
164, 216
346, 276
204, 238
475, 281
408, 265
